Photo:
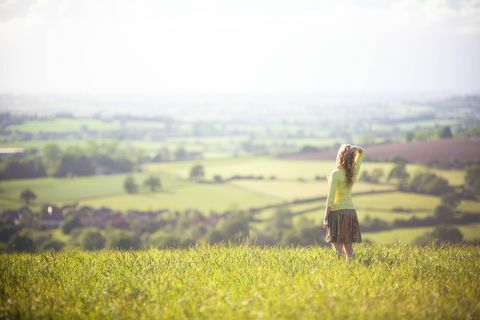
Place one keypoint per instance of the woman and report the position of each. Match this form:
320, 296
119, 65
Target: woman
341, 222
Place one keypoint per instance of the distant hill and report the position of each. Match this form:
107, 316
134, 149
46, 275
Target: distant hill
444, 150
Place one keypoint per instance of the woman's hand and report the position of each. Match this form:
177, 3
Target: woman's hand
325, 218
357, 148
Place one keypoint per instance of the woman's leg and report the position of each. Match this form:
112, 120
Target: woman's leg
349, 254
338, 248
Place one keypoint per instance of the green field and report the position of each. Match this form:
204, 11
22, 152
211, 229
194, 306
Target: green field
204, 197
293, 180
242, 282
282, 169
99, 191
291, 190
55, 190
383, 206
64, 125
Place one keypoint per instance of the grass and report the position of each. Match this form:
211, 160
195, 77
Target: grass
242, 282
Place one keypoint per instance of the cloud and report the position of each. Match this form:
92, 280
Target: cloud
11, 9
239, 46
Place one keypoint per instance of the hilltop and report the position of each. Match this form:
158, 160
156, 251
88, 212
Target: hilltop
242, 282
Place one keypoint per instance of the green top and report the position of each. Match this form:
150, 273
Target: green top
339, 194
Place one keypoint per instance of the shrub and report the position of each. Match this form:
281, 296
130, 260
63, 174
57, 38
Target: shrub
430, 183
21, 243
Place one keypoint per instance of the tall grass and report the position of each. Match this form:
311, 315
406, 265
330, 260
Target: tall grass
243, 282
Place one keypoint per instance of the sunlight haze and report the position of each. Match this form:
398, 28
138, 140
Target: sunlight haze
254, 47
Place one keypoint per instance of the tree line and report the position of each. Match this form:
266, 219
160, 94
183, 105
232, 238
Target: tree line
91, 159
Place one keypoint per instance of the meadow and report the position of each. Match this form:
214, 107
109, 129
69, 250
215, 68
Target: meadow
243, 282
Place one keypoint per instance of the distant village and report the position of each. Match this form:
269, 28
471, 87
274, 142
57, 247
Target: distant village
52, 216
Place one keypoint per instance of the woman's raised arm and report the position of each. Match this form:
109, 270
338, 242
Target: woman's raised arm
358, 157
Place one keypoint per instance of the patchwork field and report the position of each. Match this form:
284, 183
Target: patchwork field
284, 181
417, 151
204, 197
291, 180
292, 190
385, 206
283, 169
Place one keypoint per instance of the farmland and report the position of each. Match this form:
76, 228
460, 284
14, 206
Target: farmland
284, 169
180, 193
245, 282
261, 162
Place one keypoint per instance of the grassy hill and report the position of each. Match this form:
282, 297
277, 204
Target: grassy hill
241, 282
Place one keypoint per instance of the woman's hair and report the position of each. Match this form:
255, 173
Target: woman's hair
346, 160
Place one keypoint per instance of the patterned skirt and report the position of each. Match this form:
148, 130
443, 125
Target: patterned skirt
343, 226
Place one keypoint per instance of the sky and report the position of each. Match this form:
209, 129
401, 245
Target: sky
239, 47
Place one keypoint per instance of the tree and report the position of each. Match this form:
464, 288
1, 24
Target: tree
52, 245
130, 185
197, 172
447, 234
451, 199
472, 179
409, 136
443, 213
428, 182
439, 235
280, 223
180, 154
27, 167
365, 176
7, 231
75, 163
153, 183
374, 177
52, 154
71, 222
445, 132
377, 174
120, 239
162, 240
27, 196
22, 243
399, 171
89, 239
215, 236
236, 226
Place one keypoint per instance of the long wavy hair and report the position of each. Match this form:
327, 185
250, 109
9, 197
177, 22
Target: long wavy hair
346, 160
